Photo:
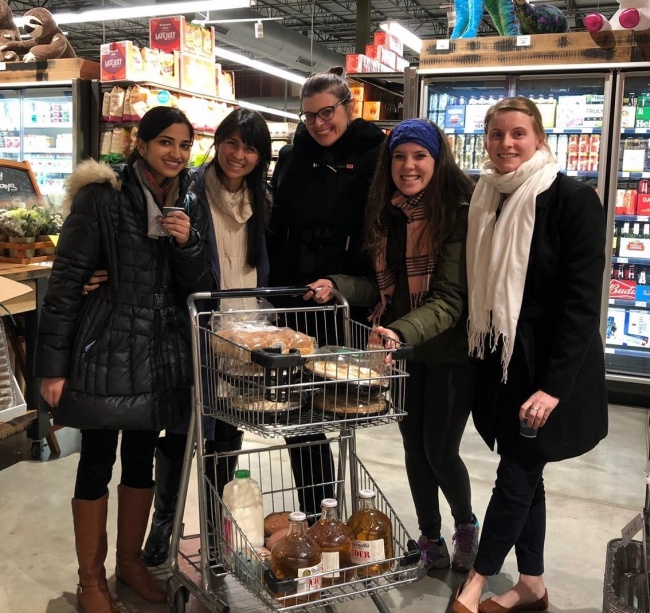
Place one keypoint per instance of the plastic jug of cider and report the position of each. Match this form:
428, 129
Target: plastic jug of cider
243, 498
298, 556
373, 536
335, 540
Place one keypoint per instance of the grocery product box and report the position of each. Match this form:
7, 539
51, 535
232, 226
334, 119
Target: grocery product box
628, 116
593, 115
374, 110
225, 83
198, 74
383, 55
547, 111
356, 109
569, 115
642, 117
358, 92
455, 116
642, 293
634, 248
121, 61
621, 289
177, 34
643, 204
390, 41
636, 329
633, 158
359, 62
475, 117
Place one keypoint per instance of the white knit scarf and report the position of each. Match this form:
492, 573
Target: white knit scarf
497, 253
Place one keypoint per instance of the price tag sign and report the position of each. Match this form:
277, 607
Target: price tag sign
587, 130
641, 131
3, 66
442, 44
17, 181
523, 41
632, 529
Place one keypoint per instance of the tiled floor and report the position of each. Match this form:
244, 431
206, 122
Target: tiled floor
589, 500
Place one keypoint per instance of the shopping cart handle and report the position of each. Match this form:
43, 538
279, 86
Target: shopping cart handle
413, 554
255, 292
278, 586
272, 357
404, 352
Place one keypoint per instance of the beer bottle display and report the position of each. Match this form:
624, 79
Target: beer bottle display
373, 536
298, 556
335, 540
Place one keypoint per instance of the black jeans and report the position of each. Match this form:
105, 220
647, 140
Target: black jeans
515, 516
98, 454
438, 401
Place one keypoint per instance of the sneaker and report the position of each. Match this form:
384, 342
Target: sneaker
465, 542
433, 554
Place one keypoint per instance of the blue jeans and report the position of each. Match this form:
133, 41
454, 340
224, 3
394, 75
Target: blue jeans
516, 516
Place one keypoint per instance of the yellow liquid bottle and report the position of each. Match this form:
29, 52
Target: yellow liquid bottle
373, 537
335, 540
298, 556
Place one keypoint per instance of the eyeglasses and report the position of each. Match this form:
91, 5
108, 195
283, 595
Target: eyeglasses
326, 113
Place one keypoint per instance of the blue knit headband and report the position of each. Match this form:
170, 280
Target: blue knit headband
416, 131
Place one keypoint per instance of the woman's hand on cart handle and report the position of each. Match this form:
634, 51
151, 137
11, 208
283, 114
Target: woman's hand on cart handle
51, 390
98, 277
389, 339
537, 409
320, 291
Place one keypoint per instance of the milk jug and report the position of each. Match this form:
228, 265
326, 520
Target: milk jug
243, 498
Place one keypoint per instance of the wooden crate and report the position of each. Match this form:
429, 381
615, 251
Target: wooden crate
50, 70
38, 247
568, 48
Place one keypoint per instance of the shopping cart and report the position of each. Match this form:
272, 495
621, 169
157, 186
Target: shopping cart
275, 391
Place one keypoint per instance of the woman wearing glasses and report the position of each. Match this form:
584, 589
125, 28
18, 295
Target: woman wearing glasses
320, 188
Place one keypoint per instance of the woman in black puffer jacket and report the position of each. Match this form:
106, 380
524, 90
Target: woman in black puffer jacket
120, 358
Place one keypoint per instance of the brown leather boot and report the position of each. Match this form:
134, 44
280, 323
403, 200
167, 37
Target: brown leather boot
89, 518
132, 518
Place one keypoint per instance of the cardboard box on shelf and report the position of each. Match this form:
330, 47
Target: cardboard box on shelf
631, 247
383, 55
358, 92
225, 83
628, 116
374, 110
358, 62
121, 61
475, 117
198, 74
455, 116
356, 109
643, 204
390, 41
175, 33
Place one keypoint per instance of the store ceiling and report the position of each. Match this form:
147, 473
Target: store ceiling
331, 23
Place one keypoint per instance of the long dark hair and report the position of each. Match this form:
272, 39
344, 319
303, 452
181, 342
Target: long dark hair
448, 187
255, 133
155, 121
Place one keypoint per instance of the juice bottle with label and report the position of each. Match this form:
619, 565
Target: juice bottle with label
335, 540
298, 556
373, 537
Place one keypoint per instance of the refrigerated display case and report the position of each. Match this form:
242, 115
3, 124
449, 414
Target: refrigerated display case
573, 108
53, 126
627, 303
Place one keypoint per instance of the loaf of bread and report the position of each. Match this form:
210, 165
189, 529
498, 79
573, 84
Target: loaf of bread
238, 343
275, 521
350, 405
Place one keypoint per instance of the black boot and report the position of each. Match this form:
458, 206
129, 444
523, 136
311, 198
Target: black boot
313, 472
169, 466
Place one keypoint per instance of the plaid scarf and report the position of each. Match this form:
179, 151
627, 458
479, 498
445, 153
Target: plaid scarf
420, 264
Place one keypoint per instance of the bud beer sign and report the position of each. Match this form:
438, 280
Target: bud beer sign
620, 289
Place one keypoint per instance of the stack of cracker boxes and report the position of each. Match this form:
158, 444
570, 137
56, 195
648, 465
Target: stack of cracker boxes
180, 55
384, 55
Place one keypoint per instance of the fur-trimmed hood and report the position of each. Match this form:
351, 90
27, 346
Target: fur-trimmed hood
89, 171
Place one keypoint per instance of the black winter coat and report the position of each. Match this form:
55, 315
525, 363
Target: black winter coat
125, 348
558, 347
317, 219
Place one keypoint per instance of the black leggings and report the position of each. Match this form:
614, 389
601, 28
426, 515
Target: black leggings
98, 453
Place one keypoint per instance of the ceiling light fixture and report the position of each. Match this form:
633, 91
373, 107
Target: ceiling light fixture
208, 21
266, 109
145, 10
242, 59
398, 30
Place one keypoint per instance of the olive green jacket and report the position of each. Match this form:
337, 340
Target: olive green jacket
438, 329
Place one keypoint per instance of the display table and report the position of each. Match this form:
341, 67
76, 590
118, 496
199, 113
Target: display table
29, 307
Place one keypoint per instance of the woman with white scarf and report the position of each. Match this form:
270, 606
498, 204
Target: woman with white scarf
535, 261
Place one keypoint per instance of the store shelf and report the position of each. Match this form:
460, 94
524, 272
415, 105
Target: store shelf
53, 150
624, 260
38, 126
634, 175
628, 303
176, 90
632, 217
639, 352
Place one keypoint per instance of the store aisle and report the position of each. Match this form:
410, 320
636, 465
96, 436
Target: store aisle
589, 500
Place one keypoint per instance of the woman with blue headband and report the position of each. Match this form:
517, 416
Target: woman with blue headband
416, 223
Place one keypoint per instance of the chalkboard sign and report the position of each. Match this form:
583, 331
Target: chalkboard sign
17, 182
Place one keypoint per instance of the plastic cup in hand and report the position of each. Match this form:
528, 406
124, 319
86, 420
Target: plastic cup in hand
524, 429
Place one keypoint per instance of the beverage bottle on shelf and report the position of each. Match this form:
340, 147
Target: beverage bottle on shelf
298, 556
462, 100
632, 99
243, 498
621, 272
641, 280
646, 230
615, 243
631, 272
611, 272
373, 536
625, 231
636, 229
335, 540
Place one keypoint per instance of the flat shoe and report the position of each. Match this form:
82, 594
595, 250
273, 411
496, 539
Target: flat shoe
489, 606
457, 606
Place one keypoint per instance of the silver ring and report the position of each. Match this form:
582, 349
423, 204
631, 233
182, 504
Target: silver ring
534, 409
